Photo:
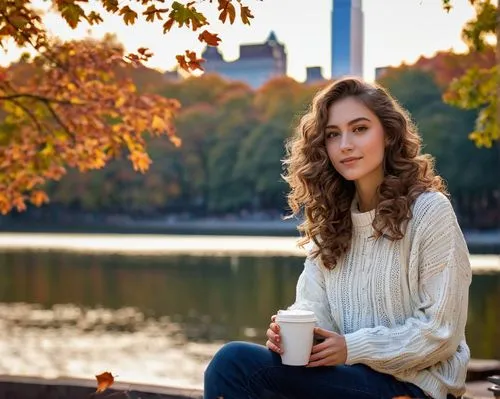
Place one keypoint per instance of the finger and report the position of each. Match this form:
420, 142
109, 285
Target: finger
320, 355
272, 346
273, 318
273, 337
275, 327
327, 361
321, 346
318, 363
323, 333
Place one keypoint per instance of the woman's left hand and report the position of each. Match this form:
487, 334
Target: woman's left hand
331, 352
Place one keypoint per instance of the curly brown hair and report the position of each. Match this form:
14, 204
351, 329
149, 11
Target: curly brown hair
325, 197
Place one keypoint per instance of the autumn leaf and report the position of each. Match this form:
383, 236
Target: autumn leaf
140, 161
210, 38
188, 15
227, 10
158, 123
246, 14
94, 18
181, 60
104, 381
129, 15
176, 141
194, 62
110, 5
168, 25
39, 198
72, 12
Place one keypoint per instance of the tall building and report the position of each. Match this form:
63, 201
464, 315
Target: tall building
347, 38
256, 65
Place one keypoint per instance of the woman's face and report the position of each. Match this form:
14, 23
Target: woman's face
355, 141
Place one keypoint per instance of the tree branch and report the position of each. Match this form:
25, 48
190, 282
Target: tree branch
12, 97
30, 114
59, 121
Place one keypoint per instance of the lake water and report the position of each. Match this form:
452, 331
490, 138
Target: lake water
159, 319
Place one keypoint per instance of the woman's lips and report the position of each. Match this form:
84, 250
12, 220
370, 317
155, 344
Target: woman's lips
349, 161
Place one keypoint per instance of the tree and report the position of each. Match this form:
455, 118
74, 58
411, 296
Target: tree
71, 106
444, 131
479, 88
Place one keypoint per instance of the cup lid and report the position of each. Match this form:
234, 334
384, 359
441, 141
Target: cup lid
296, 315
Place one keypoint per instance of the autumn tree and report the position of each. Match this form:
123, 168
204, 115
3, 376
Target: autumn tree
70, 106
479, 87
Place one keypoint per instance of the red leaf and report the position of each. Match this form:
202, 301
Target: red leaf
104, 381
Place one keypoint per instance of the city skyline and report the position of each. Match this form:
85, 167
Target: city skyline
394, 32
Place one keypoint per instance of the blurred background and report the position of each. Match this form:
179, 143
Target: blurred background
74, 308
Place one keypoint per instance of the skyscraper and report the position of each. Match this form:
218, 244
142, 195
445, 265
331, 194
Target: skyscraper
347, 38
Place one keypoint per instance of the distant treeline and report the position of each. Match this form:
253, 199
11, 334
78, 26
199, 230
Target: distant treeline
233, 143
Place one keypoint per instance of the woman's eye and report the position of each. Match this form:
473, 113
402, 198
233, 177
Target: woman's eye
330, 135
360, 129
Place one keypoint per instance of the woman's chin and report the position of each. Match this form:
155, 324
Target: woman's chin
351, 176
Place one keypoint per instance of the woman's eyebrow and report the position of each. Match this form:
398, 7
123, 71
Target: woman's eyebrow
356, 120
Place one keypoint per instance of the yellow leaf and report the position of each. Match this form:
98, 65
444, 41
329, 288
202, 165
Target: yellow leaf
158, 123
140, 161
176, 141
120, 101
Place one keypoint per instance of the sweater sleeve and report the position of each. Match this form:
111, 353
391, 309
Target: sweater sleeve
311, 292
433, 333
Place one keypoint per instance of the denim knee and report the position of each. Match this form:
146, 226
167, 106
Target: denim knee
229, 354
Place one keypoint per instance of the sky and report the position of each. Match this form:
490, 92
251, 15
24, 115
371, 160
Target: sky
395, 31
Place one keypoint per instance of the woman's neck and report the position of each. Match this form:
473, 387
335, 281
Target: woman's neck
366, 191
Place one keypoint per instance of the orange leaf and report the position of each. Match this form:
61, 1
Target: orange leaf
194, 63
140, 161
176, 141
246, 14
182, 62
38, 197
104, 381
210, 38
401, 397
168, 25
227, 10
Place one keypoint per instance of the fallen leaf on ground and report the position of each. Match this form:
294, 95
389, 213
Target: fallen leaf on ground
104, 381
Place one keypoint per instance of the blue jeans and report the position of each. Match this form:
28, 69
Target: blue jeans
241, 370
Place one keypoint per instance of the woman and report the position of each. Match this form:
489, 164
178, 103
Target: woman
387, 271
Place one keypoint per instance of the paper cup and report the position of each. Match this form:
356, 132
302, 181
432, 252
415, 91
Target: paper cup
297, 333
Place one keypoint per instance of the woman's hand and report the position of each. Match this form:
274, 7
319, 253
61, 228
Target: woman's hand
331, 352
273, 336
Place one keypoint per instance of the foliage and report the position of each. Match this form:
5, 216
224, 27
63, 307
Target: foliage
72, 110
479, 87
75, 105
444, 131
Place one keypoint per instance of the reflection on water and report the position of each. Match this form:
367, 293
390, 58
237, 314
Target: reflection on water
158, 319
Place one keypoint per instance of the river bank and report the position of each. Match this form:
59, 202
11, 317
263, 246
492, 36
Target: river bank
179, 245
478, 241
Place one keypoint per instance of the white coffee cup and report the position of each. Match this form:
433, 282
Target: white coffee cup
297, 333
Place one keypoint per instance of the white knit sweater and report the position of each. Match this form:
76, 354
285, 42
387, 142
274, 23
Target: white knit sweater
401, 305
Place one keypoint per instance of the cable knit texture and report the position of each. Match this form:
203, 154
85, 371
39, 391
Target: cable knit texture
401, 305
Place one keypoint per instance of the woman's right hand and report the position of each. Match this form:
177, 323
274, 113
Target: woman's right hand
273, 336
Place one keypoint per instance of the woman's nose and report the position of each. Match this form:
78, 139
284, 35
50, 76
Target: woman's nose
345, 143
